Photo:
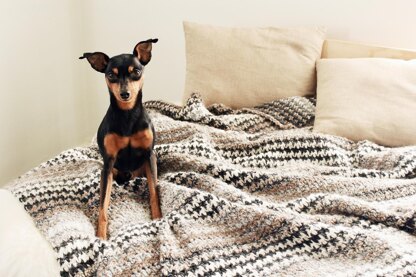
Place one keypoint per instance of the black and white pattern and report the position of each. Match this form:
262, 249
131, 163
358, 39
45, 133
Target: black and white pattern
250, 192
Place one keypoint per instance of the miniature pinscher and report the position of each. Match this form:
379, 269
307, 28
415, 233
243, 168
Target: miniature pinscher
126, 135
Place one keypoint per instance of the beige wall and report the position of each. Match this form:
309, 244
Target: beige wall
51, 101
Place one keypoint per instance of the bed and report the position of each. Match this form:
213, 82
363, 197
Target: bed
244, 192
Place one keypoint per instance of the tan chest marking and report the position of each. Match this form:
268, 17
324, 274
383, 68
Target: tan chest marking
114, 143
142, 139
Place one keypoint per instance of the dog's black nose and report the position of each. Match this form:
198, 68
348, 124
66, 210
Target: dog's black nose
125, 95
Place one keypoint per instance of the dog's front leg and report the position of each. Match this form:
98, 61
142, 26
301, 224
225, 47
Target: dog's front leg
106, 183
151, 175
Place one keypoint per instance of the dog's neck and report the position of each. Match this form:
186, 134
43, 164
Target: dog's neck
126, 118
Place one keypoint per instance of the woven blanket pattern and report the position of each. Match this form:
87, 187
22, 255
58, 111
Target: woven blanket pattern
250, 192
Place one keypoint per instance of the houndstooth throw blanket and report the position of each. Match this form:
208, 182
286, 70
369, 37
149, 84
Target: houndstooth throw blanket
250, 192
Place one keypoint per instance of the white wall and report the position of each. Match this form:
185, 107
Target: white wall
51, 101
40, 108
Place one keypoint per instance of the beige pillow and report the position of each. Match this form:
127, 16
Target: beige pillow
243, 67
367, 99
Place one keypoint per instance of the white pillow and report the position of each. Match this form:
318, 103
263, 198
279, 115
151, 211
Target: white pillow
367, 99
23, 249
244, 67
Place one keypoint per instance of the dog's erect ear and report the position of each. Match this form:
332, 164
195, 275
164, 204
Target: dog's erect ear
97, 60
143, 50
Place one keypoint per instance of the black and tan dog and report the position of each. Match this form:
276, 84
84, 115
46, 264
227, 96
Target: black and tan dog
126, 135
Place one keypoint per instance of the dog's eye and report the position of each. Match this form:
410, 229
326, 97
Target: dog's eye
111, 76
137, 71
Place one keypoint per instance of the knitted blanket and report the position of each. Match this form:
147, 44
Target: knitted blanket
250, 192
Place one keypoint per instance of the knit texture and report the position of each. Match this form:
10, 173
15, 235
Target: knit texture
250, 192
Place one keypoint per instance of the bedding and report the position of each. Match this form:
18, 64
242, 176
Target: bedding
243, 192
225, 65
367, 98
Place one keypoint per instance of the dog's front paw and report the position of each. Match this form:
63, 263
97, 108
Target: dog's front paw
102, 234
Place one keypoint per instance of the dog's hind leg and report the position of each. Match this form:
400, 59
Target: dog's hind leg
151, 175
122, 177
105, 194
140, 172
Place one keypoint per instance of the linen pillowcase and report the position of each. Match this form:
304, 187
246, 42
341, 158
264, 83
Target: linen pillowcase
367, 99
244, 67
